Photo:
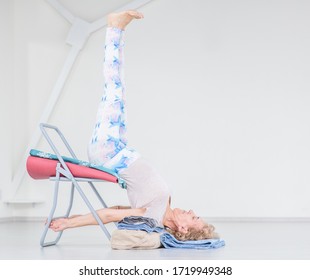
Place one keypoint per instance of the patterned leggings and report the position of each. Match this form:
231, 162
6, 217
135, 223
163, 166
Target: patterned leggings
108, 145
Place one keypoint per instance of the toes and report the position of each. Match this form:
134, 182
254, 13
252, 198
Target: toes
135, 14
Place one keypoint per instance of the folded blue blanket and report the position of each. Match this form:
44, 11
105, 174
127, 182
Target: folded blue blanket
137, 220
167, 239
139, 223
169, 242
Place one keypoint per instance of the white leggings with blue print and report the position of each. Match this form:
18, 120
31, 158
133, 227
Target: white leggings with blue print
108, 145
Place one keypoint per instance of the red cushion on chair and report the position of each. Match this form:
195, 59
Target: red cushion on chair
43, 168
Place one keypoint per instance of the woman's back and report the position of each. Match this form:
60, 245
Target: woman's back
146, 189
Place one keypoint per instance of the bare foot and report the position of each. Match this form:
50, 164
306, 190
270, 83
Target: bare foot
122, 19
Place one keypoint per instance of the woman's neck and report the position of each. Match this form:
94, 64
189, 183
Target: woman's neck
168, 220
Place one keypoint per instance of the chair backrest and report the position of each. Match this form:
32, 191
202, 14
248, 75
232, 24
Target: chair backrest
44, 127
108, 175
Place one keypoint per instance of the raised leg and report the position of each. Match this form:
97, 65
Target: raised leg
108, 145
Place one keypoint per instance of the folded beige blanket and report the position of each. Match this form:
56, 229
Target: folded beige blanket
134, 239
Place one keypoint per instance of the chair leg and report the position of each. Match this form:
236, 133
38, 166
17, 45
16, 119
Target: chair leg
99, 197
97, 194
71, 201
91, 208
50, 217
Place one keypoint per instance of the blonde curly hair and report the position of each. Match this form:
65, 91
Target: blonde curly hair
207, 232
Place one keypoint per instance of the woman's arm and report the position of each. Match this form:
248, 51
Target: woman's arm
109, 215
106, 215
120, 207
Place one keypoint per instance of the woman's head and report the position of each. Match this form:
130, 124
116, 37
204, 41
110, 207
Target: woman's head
188, 226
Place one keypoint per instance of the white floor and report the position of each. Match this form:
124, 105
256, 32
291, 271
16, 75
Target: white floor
244, 241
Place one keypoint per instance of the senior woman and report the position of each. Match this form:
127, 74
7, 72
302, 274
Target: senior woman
148, 193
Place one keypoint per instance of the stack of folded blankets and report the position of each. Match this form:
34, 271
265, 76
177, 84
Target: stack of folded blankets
137, 232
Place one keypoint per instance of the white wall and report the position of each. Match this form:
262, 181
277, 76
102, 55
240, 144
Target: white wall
217, 100
6, 92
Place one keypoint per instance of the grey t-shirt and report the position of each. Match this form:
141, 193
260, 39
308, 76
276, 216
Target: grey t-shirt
146, 189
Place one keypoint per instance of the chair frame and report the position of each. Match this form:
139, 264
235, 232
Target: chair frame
64, 174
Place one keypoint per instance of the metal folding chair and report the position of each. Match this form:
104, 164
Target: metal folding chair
58, 170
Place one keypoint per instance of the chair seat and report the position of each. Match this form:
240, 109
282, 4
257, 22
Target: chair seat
43, 168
